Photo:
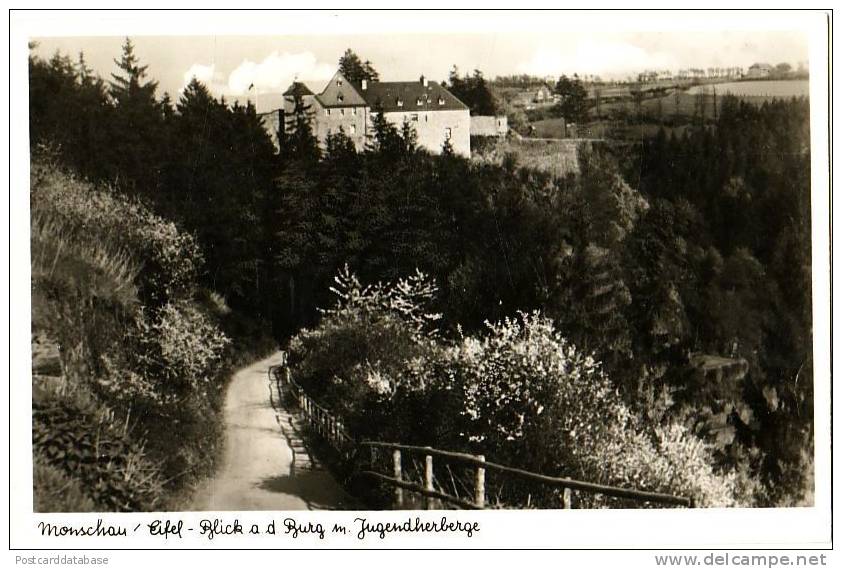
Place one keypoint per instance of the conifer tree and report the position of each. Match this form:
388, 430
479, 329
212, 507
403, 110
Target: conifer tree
300, 141
135, 152
129, 86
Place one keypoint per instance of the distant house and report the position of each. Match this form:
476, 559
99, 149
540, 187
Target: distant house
543, 95
433, 111
759, 71
489, 126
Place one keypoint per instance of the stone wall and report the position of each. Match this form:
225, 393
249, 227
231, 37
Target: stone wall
433, 127
489, 126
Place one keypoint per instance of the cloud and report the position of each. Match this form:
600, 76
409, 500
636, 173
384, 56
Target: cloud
272, 75
207, 74
606, 58
277, 71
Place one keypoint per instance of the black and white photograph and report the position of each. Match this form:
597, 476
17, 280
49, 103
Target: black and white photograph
433, 270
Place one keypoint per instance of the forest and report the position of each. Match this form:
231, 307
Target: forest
645, 320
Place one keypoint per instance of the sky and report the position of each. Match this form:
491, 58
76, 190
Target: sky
229, 64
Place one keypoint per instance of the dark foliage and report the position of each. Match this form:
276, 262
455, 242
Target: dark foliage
355, 70
573, 99
473, 90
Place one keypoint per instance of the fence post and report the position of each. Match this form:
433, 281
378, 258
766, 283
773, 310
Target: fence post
396, 459
479, 487
428, 481
338, 426
567, 499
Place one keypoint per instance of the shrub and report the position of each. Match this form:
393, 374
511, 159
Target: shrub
362, 342
531, 399
181, 347
55, 491
171, 259
86, 445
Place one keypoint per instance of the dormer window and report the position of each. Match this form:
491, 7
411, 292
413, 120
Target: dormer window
418, 101
400, 102
441, 101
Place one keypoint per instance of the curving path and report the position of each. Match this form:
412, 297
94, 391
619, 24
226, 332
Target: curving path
266, 464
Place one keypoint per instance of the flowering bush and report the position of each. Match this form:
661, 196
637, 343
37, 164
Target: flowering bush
520, 394
182, 347
353, 359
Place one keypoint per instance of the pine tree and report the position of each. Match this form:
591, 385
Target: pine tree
135, 152
128, 86
410, 138
300, 142
384, 139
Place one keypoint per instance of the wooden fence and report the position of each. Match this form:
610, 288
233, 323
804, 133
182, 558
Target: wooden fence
330, 428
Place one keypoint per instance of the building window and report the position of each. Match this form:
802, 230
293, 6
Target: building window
327, 112
414, 117
447, 133
441, 101
418, 101
400, 102
339, 82
353, 110
342, 112
340, 98
353, 129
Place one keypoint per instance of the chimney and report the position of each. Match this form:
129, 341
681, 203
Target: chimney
364, 85
424, 81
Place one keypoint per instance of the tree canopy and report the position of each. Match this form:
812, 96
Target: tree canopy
474, 91
355, 70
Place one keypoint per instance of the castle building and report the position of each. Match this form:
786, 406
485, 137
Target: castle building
435, 113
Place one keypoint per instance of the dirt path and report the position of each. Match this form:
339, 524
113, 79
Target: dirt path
266, 464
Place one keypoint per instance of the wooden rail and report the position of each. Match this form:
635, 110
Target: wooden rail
331, 429
320, 419
567, 483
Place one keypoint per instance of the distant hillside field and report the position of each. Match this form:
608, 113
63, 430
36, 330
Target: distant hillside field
772, 89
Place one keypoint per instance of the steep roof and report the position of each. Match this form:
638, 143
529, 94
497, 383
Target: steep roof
339, 92
388, 93
297, 89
